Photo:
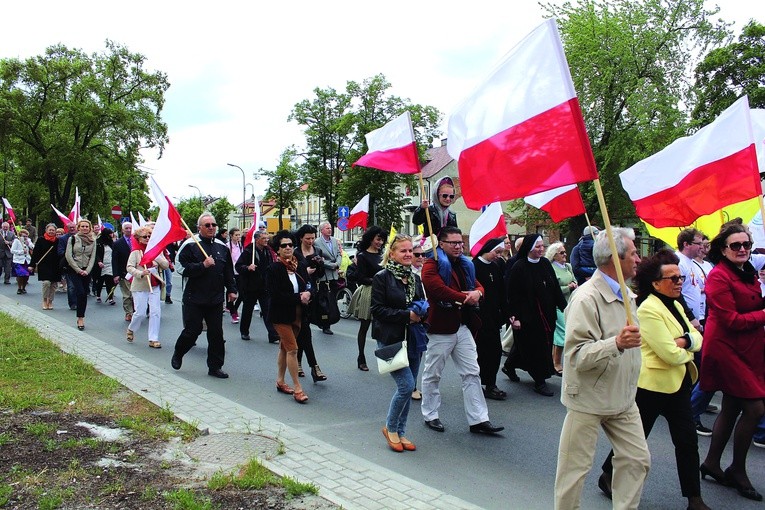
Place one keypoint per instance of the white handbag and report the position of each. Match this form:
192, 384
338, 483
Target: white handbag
392, 357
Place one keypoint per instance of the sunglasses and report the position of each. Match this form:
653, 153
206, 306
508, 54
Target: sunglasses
747, 245
143, 237
675, 279
209, 225
418, 255
561, 253
446, 195
285, 245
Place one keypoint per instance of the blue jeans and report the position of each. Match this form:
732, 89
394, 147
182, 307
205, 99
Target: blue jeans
168, 282
759, 433
405, 378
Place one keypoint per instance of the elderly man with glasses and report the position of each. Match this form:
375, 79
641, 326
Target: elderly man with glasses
206, 266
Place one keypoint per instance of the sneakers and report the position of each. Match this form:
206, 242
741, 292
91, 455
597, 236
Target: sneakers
168, 300
234, 318
759, 444
702, 430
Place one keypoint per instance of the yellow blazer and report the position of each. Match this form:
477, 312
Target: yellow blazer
664, 363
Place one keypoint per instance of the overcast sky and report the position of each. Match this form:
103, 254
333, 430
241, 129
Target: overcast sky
237, 68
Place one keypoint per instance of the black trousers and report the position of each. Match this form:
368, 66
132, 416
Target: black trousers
305, 344
676, 408
193, 314
489, 347
265, 306
248, 306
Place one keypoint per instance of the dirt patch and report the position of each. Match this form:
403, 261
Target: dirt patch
59, 460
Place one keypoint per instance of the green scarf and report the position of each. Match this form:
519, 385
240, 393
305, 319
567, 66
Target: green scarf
401, 273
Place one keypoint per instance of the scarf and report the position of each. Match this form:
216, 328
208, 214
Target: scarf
50, 238
401, 273
445, 269
85, 239
291, 263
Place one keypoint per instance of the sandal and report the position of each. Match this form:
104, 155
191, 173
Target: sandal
155, 344
300, 397
284, 388
130, 336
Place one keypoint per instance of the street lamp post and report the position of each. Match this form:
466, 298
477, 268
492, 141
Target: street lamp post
244, 191
201, 204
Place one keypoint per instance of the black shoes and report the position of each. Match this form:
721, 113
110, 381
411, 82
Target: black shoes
604, 484
176, 361
327, 331
748, 492
220, 374
245, 336
437, 425
494, 393
702, 430
510, 372
485, 428
543, 390
168, 300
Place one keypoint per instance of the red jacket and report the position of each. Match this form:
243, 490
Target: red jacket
443, 320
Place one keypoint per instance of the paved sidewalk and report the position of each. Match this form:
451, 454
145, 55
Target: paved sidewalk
342, 478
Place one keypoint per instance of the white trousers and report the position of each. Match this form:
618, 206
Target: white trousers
461, 347
140, 300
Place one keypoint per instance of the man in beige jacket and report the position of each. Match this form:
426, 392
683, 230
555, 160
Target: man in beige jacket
601, 369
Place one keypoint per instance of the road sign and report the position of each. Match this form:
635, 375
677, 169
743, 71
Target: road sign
117, 212
342, 224
343, 211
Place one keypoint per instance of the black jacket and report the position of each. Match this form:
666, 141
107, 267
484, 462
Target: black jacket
494, 308
390, 316
120, 253
284, 299
252, 283
418, 218
206, 285
47, 269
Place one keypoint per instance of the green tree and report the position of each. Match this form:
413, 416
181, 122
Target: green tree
190, 209
631, 64
285, 183
68, 119
220, 209
729, 72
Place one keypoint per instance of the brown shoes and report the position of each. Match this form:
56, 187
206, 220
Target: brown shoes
394, 442
300, 397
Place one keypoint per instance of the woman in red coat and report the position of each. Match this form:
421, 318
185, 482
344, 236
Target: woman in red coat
734, 355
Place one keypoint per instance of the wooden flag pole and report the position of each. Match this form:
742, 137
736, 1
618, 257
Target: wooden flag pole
586, 217
762, 211
614, 254
433, 242
194, 238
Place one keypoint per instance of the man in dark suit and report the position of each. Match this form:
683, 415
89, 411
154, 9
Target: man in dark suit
6, 257
120, 253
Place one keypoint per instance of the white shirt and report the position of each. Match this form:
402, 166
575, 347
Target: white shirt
692, 284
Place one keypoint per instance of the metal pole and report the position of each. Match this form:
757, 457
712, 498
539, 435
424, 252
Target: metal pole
244, 192
201, 203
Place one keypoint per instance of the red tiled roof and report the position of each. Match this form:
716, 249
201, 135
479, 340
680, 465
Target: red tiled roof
437, 158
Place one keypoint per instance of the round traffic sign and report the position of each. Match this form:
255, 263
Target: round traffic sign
342, 224
116, 212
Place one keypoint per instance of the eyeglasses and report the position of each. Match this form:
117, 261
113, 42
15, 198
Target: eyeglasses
143, 237
675, 279
747, 245
209, 225
561, 253
446, 195
285, 245
698, 244
418, 255
454, 243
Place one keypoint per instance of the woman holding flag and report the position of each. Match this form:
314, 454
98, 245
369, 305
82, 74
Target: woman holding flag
45, 263
146, 286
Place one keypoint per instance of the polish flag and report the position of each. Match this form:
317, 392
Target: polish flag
74, 214
167, 229
61, 216
758, 126
8, 208
100, 223
134, 221
255, 222
559, 203
359, 214
522, 131
489, 225
696, 175
392, 147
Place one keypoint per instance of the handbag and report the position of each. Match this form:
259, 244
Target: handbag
392, 357
323, 308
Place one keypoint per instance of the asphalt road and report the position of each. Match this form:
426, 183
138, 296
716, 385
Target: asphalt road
515, 469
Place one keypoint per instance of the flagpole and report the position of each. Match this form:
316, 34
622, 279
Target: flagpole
427, 218
614, 254
194, 238
589, 225
762, 209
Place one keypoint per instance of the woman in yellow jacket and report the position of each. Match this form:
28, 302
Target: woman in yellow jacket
667, 371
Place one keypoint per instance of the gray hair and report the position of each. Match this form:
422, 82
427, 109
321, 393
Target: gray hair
321, 225
204, 215
552, 250
601, 250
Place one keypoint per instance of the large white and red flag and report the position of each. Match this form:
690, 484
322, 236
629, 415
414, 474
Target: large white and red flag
65, 219
489, 225
392, 147
74, 214
255, 222
758, 127
168, 227
698, 174
9, 209
522, 132
559, 203
359, 214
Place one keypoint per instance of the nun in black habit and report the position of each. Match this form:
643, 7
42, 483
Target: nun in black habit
533, 294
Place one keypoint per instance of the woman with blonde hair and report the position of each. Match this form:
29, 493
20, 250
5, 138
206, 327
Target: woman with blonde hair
80, 254
556, 254
146, 286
